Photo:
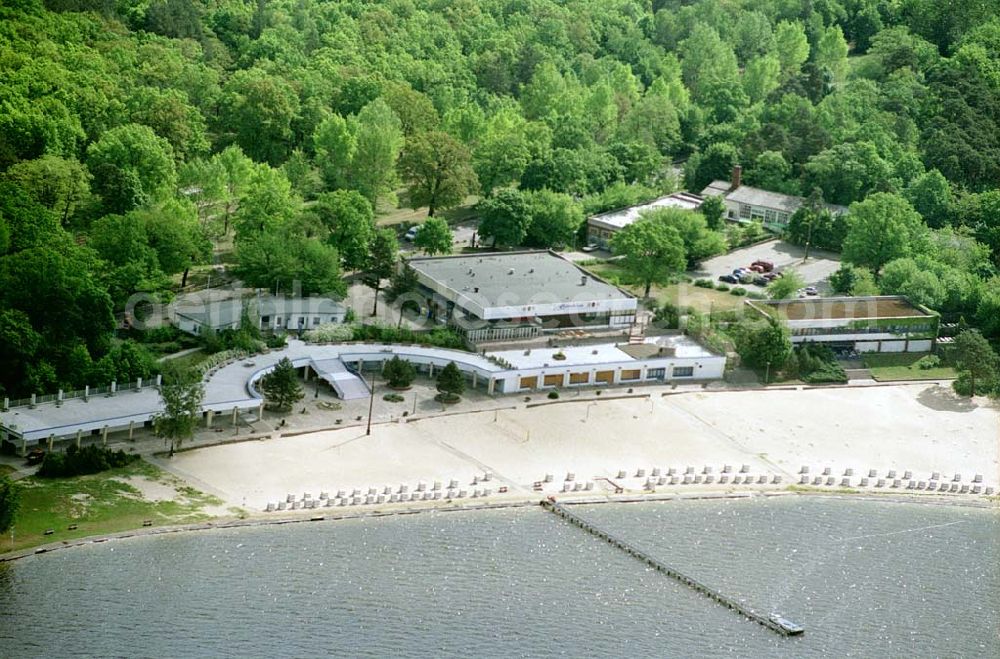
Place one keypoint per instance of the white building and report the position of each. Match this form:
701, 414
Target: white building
601, 228
231, 388
515, 295
277, 314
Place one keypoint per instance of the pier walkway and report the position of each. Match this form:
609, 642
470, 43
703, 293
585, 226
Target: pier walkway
552, 506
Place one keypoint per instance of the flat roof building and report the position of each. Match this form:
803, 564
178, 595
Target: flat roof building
882, 323
231, 386
600, 228
517, 295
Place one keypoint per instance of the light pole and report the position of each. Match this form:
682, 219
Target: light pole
371, 404
767, 373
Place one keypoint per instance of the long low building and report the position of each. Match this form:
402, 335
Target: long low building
516, 295
882, 323
602, 228
231, 389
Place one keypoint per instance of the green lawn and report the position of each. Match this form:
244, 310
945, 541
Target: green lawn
704, 300
902, 366
100, 503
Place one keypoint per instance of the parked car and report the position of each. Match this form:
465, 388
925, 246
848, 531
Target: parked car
760, 280
756, 267
810, 290
35, 456
766, 265
769, 277
411, 233
747, 278
729, 279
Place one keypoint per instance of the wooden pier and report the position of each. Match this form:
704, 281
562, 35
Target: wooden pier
658, 565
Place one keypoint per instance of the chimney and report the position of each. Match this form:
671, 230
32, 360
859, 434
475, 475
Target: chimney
737, 177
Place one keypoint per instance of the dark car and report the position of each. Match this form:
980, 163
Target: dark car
760, 281
729, 279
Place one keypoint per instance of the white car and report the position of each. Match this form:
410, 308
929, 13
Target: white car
411, 233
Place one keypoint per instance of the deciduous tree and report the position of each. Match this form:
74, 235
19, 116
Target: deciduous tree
974, 358
652, 251
881, 228
438, 169
505, 216
181, 393
381, 263
434, 236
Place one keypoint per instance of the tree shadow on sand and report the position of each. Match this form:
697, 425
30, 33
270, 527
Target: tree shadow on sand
944, 399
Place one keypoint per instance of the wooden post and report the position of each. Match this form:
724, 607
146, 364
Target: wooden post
51, 437
131, 427
104, 436
208, 418
78, 435
236, 411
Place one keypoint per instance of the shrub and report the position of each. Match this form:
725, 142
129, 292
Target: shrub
86, 460
738, 291
553, 395
399, 373
276, 341
928, 362
704, 283
393, 398
817, 364
330, 333
721, 287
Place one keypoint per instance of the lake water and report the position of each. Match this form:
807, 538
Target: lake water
866, 578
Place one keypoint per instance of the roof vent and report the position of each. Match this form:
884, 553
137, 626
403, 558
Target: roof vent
583, 280
475, 290
511, 271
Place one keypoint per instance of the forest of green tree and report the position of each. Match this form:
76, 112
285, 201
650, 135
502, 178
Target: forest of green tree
134, 135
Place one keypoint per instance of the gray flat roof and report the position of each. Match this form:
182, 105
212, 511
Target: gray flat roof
716, 188
504, 279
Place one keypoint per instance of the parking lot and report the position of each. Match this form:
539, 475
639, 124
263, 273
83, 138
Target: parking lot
816, 271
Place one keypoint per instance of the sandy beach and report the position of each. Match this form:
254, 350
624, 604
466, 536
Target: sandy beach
922, 428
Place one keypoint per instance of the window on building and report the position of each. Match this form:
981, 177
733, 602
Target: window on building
656, 373
631, 374
265, 320
683, 371
783, 218
770, 216
745, 211
316, 321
